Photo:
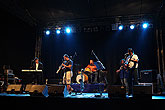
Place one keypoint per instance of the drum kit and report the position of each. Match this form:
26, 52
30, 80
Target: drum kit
82, 75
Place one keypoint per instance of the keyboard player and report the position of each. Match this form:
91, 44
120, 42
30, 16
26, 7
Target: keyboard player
37, 76
34, 75
36, 64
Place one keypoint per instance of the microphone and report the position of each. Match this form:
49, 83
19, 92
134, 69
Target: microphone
75, 54
91, 52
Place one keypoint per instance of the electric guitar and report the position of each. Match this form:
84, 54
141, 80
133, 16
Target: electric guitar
126, 65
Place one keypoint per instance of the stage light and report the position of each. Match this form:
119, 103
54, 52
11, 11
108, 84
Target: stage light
47, 32
68, 30
58, 31
121, 27
145, 25
132, 26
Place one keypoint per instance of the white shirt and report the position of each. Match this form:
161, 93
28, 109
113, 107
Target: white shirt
37, 66
131, 63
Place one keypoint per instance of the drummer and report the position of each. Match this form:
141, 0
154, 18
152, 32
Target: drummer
91, 70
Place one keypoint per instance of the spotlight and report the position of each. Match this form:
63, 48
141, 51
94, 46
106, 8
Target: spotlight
58, 31
47, 32
121, 27
68, 30
145, 25
132, 26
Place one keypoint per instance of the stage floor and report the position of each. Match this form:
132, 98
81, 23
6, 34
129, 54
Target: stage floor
83, 101
78, 96
88, 95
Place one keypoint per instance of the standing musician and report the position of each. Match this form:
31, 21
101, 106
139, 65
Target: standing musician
67, 67
123, 74
92, 69
132, 65
37, 65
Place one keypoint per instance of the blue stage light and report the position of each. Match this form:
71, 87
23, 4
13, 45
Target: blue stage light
145, 25
58, 31
68, 30
121, 27
47, 32
132, 26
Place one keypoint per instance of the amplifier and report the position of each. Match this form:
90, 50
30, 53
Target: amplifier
148, 76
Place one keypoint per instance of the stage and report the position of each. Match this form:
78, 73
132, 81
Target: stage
56, 95
84, 100
80, 96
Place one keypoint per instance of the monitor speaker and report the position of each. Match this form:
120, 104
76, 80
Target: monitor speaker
37, 90
139, 91
56, 90
14, 88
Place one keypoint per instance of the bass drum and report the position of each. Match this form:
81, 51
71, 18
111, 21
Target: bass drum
85, 78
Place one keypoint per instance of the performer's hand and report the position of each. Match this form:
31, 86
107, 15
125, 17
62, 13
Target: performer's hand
117, 71
63, 64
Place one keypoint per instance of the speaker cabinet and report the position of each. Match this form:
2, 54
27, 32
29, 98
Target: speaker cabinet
143, 91
116, 91
139, 91
14, 88
37, 90
148, 76
56, 90
28, 88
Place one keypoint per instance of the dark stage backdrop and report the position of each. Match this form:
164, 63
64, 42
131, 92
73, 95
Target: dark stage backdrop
17, 42
109, 47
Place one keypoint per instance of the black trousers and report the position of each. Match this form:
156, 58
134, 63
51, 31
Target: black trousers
93, 77
132, 79
38, 78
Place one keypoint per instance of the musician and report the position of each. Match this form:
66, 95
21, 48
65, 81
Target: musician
93, 71
123, 74
37, 65
67, 67
132, 65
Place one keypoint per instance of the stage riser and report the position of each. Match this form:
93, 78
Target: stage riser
89, 88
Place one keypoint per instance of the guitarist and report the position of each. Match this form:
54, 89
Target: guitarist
123, 73
131, 64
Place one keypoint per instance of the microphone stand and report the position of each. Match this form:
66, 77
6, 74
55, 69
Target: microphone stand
102, 67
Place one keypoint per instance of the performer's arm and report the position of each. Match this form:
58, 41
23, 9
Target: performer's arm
88, 66
121, 67
64, 66
69, 66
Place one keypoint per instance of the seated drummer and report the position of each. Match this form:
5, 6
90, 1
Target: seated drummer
92, 71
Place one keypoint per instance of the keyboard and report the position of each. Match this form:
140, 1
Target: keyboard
31, 70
